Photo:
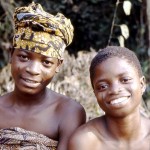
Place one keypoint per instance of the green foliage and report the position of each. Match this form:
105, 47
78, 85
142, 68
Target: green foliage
146, 71
92, 20
6, 29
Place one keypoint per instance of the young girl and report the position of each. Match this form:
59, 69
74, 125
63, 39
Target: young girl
33, 117
118, 84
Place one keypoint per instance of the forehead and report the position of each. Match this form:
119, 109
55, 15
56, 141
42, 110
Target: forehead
35, 54
115, 65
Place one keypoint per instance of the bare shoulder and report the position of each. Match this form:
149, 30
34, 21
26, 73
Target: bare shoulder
71, 115
87, 130
92, 128
86, 136
68, 105
70, 112
4, 98
146, 126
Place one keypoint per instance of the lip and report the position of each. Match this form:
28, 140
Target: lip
117, 97
30, 82
118, 101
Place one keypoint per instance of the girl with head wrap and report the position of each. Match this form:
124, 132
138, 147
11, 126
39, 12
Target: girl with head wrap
32, 116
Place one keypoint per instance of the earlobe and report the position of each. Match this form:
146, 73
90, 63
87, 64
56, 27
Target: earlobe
57, 70
58, 66
11, 50
10, 56
94, 92
143, 84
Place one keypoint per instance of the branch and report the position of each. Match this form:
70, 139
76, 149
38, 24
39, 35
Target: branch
113, 22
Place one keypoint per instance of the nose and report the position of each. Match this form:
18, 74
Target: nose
115, 88
33, 68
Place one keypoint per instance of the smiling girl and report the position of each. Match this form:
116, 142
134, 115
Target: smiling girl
32, 116
118, 84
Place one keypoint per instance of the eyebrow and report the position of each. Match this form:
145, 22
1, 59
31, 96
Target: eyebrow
30, 53
103, 79
100, 80
22, 50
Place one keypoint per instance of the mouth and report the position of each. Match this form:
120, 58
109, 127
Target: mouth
121, 100
29, 81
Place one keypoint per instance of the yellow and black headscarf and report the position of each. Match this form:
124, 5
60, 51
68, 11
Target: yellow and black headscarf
41, 32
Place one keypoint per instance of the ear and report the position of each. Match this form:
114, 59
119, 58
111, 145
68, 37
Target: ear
59, 65
10, 53
143, 84
94, 91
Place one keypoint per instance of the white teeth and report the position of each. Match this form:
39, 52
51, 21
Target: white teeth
30, 81
119, 100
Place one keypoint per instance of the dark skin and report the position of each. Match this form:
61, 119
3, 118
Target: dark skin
119, 92
34, 107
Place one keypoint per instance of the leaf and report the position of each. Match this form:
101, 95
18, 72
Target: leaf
121, 40
124, 30
127, 7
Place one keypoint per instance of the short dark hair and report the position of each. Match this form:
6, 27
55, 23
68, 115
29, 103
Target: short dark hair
115, 51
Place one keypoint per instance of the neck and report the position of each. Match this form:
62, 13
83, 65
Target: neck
23, 99
125, 128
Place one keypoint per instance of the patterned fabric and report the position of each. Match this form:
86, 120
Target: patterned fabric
20, 139
41, 32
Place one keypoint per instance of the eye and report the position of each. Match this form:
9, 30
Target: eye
47, 63
126, 79
102, 87
23, 57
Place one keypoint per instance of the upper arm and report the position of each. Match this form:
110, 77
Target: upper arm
82, 139
71, 120
77, 142
85, 138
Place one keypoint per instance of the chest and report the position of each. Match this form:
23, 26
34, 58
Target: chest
44, 121
140, 145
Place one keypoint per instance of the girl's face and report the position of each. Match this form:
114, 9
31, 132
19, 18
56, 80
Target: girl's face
118, 87
31, 71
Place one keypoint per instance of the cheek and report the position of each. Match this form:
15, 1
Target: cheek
15, 69
136, 92
136, 88
100, 98
48, 73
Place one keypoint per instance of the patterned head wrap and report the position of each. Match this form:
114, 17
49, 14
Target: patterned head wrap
41, 32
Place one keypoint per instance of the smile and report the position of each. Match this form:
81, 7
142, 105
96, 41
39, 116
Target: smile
119, 100
30, 81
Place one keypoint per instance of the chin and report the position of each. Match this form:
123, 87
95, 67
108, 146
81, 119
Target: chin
120, 113
29, 91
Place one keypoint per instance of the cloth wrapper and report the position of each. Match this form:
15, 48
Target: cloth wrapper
19, 139
41, 32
